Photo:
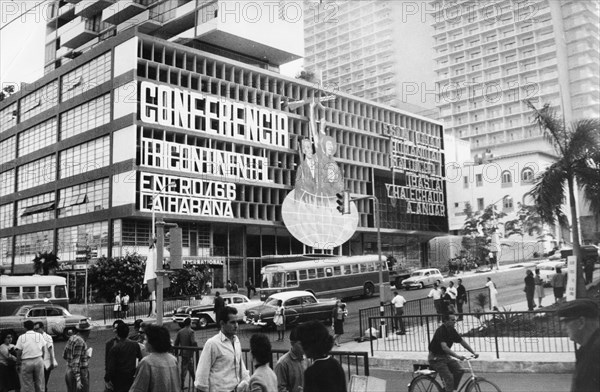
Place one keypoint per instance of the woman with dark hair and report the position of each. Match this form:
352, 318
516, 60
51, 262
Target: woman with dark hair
9, 378
325, 374
279, 320
338, 314
263, 379
157, 372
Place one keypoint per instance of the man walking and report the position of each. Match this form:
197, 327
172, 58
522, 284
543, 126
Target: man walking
580, 319
122, 361
221, 367
436, 294
219, 305
187, 338
529, 290
559, 283
77, 356
461, 299
453, 293
291, 367
441, 355
49, 357
30, 356
398, 301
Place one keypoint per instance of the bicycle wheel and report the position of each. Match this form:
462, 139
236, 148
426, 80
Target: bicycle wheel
482, 385
424, 384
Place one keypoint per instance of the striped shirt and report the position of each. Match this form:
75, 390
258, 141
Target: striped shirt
76, 354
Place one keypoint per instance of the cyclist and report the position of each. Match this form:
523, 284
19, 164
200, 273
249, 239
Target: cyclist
440, 353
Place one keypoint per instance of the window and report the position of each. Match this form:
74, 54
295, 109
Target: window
83, 198
7, 150
84, 117
337, 271
527, 175
84, 157
465, 182
293, 302
478, 180
506, 177
53, 312
39, 101
292, 278
354, 268
312, 273
29, 293
480, 205
36, 209
6, 215
363, 268
38, 137
86, 77
42, 171
507, 203
320, 273
60, 292
7, 182
308, 300
27, 245
328, 272
13, 293
302, 274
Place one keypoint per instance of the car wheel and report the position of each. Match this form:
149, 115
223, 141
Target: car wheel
202, 321
369, 289
68, 332
421, 285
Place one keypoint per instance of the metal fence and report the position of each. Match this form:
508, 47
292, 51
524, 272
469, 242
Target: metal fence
353, 362
421, 306
142, 309
495, 332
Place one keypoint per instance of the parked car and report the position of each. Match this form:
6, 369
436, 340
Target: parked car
548, 269
299, 306
421, 278
202, 315
57, 320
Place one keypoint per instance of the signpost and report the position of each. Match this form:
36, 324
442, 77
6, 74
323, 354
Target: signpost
571, 278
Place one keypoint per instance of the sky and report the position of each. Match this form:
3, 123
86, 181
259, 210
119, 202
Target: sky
22, 42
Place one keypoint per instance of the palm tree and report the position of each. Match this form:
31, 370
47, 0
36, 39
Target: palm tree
578, 148
45, 262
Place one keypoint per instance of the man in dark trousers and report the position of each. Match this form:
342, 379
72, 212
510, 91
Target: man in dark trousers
580, 319
441, 355
186, 338
529, 290
219, 305
461, 299
122, 359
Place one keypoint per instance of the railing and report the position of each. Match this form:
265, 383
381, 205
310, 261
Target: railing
485, 332
143, 308
418, 307
353, 362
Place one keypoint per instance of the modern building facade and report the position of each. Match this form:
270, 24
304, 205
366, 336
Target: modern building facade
378, 50
137, 125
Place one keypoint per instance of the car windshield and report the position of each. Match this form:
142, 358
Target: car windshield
272, 301
417, 274
22, 311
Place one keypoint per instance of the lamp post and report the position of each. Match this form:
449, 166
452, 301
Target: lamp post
495, 237
154, 197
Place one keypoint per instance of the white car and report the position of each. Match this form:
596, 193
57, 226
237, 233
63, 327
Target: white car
548, 270
203, 314
421, 278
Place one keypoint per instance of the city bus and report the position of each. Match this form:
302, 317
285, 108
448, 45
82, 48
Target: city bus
16, 291
342, 277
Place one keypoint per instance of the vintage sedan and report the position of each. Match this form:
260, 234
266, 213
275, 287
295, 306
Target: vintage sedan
57, 320
421, 278
203, 314
299, 306
548, 270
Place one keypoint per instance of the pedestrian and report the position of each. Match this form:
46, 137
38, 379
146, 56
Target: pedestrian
580, 319
248, 285
441, 355
338, 315
107, 347
252, 287
138, 334
234, 287
77, 354
122, 361
186, 338
125, 305
436, 294
279, 320
453, 293
539, 287
461, 298
219, 306
9, 377
221, 367
398, 301
30, 355
529, 290
157, 371
228, 285
493, 291
588, 270
263, 378
291, 366
325, 374
49, 356
117, 305
559, 283
445, 301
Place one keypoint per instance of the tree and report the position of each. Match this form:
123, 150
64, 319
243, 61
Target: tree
188, 281
578, 148
109, 275
7, 92
45, 262
307, 75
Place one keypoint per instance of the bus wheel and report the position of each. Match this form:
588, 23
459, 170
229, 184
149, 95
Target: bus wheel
369, 289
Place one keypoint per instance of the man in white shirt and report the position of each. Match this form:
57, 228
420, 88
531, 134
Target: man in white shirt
30, 357
49, 358
220, 367
436, 294
398, 301
453, 293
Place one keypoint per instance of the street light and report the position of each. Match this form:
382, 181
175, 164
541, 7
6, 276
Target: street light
495, 237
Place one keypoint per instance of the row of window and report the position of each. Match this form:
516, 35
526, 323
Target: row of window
527, 176
292, 277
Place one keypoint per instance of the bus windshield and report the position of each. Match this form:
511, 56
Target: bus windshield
273, 280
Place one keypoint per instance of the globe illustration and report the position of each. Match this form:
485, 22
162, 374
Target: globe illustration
316, 222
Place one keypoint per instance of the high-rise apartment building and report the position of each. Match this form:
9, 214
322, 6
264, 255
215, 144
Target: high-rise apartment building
491, 56
375, 49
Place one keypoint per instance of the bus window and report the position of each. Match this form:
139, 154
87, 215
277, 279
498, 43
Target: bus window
273, 279
60, 292
337, 271
328, 272
29, 292
355, 268
370, 267
12, 293
292, 279
312, 273
45, 292
320, 273
363, 268
302, 274
347, 270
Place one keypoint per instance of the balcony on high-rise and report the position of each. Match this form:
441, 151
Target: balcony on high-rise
88, 9
78, 32
123, 10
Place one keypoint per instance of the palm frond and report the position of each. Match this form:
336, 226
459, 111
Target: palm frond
551, 124
548, 192
588, 180
584, 139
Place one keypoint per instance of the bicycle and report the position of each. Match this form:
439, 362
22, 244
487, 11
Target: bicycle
424, 381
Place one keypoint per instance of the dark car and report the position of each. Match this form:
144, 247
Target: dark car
202, 315
299, 306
